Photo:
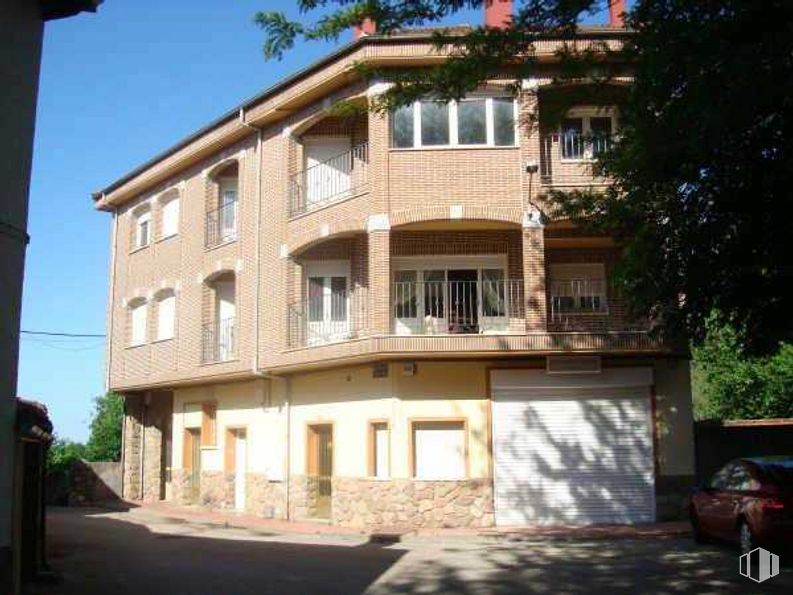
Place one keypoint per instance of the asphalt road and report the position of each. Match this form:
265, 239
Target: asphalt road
138, 552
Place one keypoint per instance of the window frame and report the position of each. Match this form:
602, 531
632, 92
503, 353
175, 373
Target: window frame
460, 422
453, 120
140, 216
371, 464
585, 114
566, 271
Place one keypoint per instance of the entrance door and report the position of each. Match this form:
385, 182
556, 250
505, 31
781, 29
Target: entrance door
192, 463
240, 468
320, 469
328, 309
463, 301
328, 165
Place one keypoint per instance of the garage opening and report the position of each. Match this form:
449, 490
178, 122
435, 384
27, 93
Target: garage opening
573, 448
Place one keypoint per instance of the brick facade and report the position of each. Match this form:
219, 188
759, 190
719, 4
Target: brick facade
429, 203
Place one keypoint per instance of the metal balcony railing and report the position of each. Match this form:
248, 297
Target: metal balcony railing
456, 307
328, 318
221, 225
219, 341
578, 296
334, 179
555, 149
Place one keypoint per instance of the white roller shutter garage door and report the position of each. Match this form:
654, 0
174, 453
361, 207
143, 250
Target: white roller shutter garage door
573, 448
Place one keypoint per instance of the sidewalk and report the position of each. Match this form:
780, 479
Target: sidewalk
395, 534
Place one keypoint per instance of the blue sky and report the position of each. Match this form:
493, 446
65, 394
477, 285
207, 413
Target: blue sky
116, 88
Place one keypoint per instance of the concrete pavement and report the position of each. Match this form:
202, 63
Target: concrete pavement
142, 551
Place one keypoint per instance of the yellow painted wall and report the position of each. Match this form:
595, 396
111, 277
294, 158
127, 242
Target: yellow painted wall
242, 404
351, 398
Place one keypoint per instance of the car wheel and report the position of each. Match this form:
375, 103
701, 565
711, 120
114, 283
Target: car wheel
696, 530
746, 537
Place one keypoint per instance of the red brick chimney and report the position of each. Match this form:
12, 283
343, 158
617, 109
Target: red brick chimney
498, 14
364, 28
616, 10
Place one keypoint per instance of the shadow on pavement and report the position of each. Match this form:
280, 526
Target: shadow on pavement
97, 554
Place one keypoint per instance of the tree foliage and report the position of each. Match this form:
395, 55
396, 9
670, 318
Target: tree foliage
61, 454
735, 386
104, 442
702, 169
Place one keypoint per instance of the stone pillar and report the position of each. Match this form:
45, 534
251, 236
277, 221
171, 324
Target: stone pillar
131, 449
534, 275
379, 270
146, 417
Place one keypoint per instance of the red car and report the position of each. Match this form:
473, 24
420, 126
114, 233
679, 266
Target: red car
749, 501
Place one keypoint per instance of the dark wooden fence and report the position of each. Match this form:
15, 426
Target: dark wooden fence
718, 442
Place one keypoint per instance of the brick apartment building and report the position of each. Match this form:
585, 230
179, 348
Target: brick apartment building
366, 319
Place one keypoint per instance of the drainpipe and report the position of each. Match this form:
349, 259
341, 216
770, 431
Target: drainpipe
288, 390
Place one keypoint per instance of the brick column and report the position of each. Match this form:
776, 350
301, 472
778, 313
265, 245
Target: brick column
534, 276
379, 269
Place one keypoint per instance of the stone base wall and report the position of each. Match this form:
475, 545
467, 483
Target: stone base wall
671, 496
265, 498
180, 487
403, 503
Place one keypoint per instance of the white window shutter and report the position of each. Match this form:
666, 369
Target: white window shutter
170, 217
139, 324
166, 317
439, 451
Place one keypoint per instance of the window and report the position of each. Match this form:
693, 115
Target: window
227, 211
402, 132
585, 136
578, 288
483, 121
142, 228
170, 216
472, 122
434, 123
439, 450
166, 315
503, 122
379, 437
138, 323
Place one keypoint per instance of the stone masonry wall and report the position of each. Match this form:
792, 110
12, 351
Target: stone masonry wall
404, 503
263, 498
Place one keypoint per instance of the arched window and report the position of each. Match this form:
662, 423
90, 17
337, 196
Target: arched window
169, 219
142, 226
221, 224
166, 314
220, 328
137, 318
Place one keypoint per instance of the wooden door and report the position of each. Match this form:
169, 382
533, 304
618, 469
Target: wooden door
320, 468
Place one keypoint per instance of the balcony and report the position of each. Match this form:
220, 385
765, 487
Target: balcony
221, 225
568, 159
335, 179
328, 317
219, 341
458, 307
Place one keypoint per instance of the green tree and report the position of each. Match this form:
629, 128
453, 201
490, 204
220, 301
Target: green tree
104, 442
61, 454
702, 168
731, 385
